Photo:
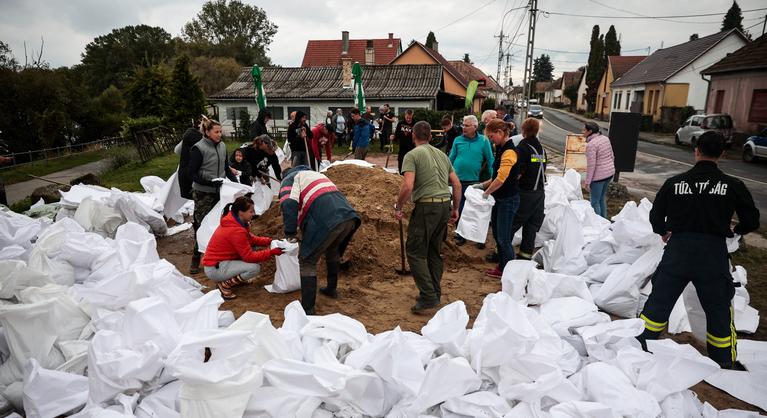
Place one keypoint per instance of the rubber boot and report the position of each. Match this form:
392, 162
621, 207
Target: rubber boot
194, 268
308, 293
331, 289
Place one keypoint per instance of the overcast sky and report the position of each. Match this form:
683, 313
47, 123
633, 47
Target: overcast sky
68, 26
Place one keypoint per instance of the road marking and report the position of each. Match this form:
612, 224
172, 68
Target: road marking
551, 123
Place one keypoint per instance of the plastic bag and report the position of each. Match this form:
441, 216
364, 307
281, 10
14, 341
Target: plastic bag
475, 217
287, 277
447, 328
606, 384
262, 198
477, 404
49, 393
227, 193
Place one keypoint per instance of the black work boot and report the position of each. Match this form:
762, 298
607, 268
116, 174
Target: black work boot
194, 268
308, 293
331, 289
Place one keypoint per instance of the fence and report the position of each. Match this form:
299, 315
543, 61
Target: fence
155, 141
31, 156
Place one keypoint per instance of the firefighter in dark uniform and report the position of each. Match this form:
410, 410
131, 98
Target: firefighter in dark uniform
693, 213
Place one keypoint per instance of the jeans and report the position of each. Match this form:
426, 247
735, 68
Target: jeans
230, 268
502, 221
598, 195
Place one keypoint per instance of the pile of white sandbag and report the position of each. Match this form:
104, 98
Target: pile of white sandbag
616, 260
101, 327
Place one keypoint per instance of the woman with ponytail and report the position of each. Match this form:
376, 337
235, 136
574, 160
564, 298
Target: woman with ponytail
230, 259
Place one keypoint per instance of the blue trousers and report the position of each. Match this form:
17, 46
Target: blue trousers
502, 221
598, 196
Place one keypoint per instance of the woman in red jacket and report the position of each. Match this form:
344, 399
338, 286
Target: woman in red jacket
230, 259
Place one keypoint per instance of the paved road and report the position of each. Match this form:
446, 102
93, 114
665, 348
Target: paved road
656, 162
19, 191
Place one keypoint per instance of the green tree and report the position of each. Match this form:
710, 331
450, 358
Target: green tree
215, 73
466, 58
231, 29
186, 100
107, 111
488, 104
733, 19
612, 44
6, 57
244, 123
543, 69
596, 67
148, 91
571, 92
431, 40
110, 59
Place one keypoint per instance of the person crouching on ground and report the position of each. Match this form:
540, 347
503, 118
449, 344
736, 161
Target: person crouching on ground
244, 171
230, 260
427, 172
310, 201
504, 188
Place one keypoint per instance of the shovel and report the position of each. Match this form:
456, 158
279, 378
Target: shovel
388, 154
403, 271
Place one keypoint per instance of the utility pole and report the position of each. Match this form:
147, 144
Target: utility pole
764, 25
507, 71
527, 79
500, 53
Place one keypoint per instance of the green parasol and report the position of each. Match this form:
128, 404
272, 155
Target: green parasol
259, 87
470, 91
359, 93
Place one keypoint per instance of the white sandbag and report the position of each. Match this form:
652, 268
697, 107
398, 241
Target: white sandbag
269, 343
447, 328
135, 246
262, 198
227, 193
543, 286
81, 249
515, 278
272, 402
220, 386
287, 276
273, 184
162, 403
445, 378
200, 314
15, 275
606, 384
79, 192
675, 367
358, 163
49, 393
753, 355
570, 312
566, 255
65, 316
746, 386
632, 225
114, 367
14, 252
136, 210
150, 319
30, 332
17, 230
393, 358
344, 330
501, 330
602, 341
619, 295
684, 404
582, 409
285, 152
477, 404
475, 216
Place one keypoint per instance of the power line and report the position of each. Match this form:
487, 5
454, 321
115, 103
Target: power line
580, 52
466, 15
641, 15
645, 17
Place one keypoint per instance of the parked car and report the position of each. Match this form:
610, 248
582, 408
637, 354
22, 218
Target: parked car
535, 111
696, 125
521, 103
755, 147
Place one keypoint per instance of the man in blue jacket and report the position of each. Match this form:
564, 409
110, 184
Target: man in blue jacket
363, 131
311, 201
470, 154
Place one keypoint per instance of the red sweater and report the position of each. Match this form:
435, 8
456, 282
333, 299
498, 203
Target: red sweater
232, 241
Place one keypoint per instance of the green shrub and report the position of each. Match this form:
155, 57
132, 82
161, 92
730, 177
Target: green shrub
434, 117
122, 156
132, 125
488, 104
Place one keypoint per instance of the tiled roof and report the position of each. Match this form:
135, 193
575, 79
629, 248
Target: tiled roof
664, 63
621, 63
751, 57
541, 86
571, 78
327, 53
437, 57
379, 81
470, 72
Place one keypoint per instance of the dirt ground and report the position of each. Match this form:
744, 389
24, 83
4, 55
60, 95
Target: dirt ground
370, 290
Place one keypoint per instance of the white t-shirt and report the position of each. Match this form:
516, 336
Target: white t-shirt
340, 123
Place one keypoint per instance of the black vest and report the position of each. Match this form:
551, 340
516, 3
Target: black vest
511, 185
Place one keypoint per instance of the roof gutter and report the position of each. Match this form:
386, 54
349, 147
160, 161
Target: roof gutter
708, 92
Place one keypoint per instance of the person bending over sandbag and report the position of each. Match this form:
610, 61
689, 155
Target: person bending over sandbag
230, 259
311, 201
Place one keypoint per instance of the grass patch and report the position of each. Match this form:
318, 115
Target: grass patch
41, 168
22, 205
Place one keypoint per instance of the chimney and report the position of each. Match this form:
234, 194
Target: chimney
345, 39
391, 40
370, 55
436, 46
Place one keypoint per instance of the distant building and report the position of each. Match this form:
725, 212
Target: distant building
583, 104
553, 93
315, 90
487, 84
539, 91
569, 79
328, 53
738, 86
671, 77
454, 85
617, 66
